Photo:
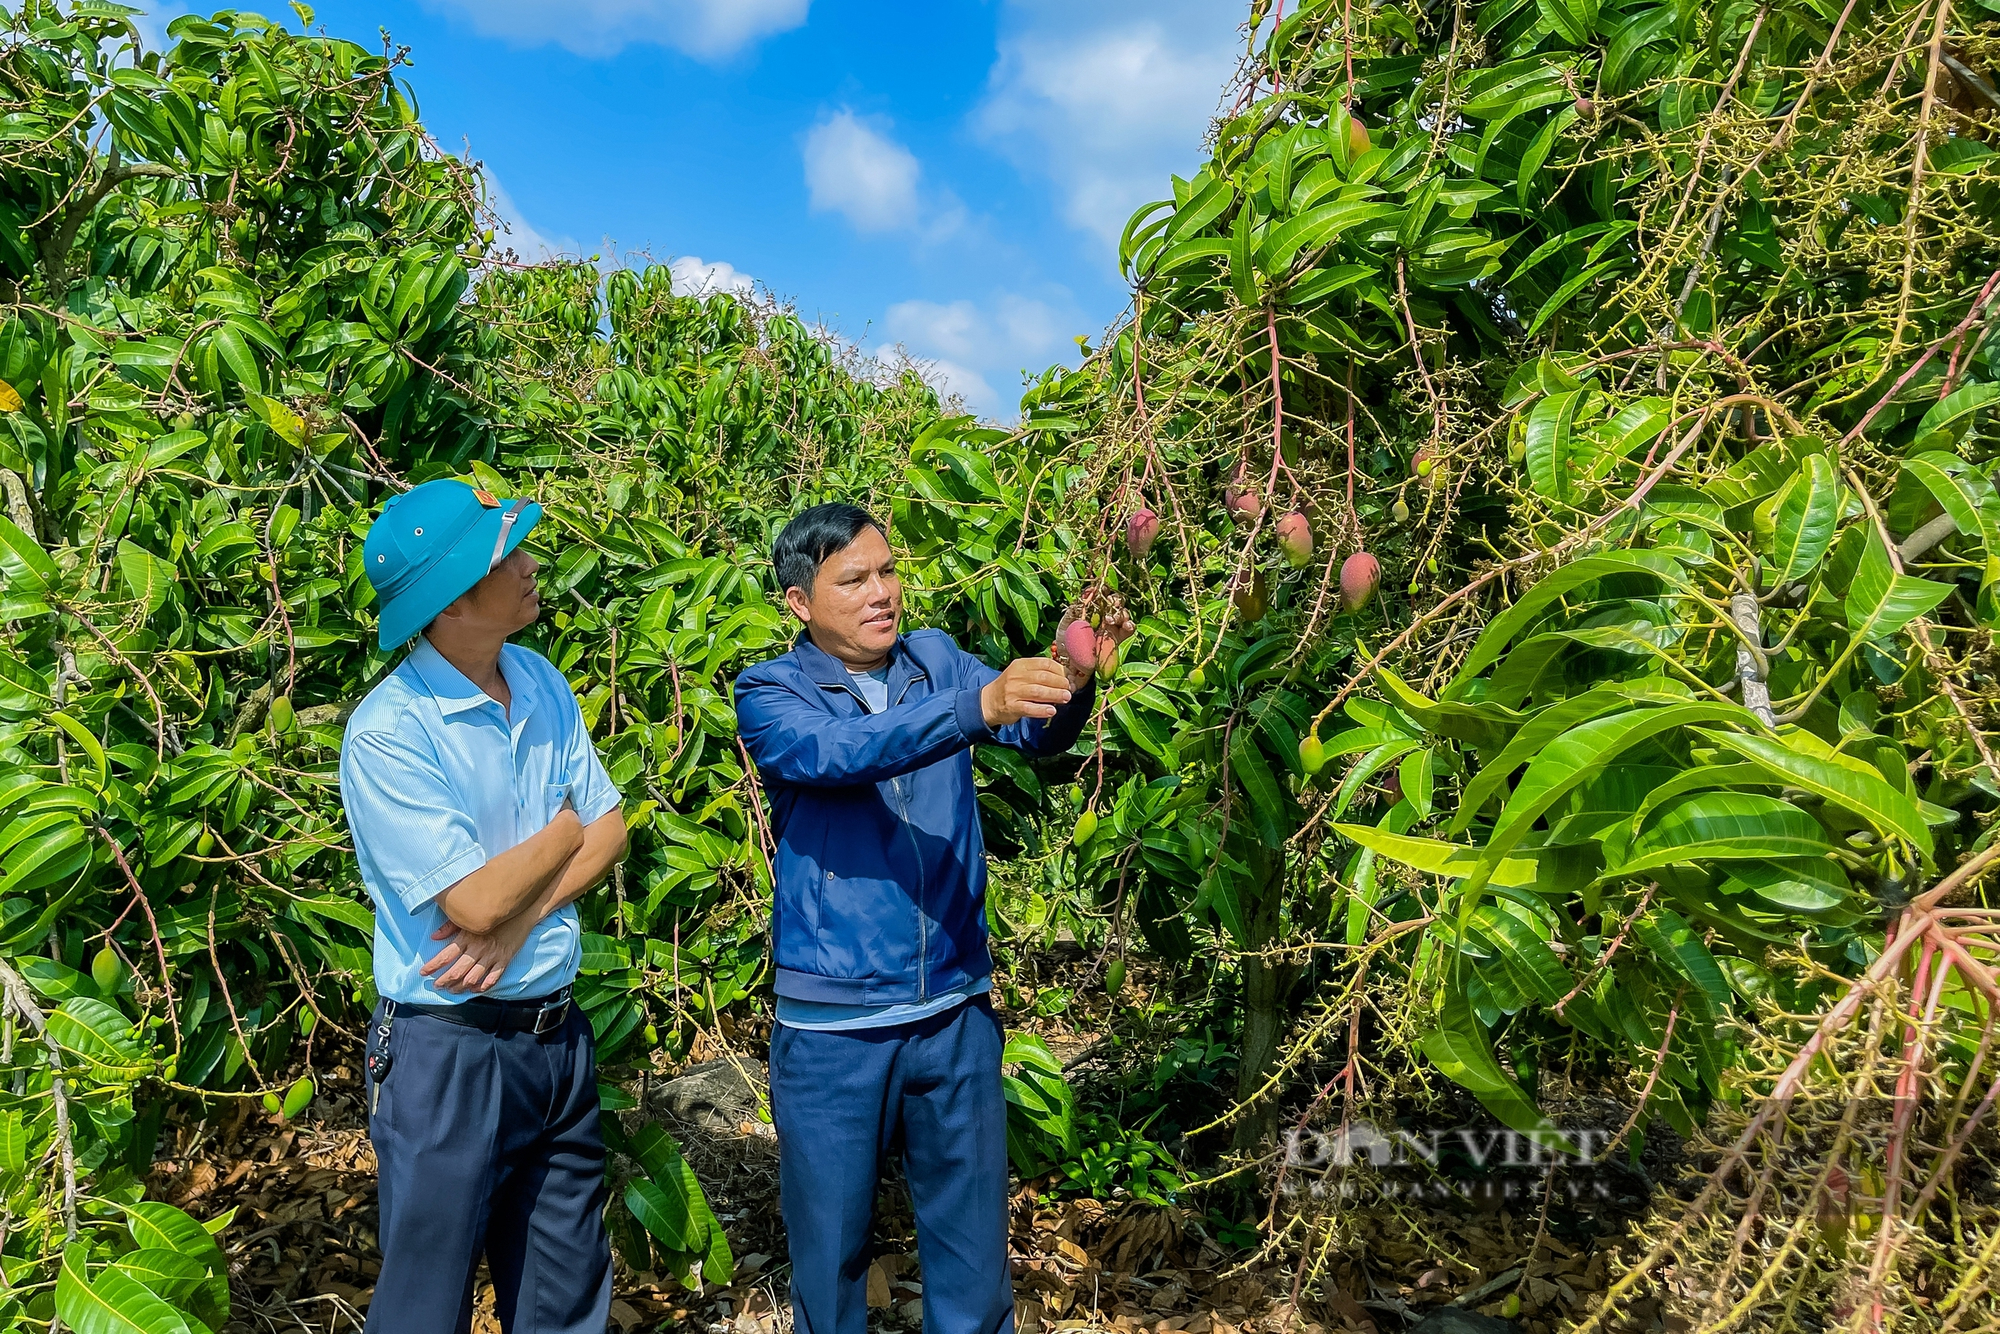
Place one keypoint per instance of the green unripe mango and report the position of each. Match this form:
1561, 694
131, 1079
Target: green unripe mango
1312, 753
1086, 825
652, 1036
107, 970
308, 1021
283, 719
272, 1105
204, 845
1400, 511
1512, 1306
1197, 678
297, 1098
1114, 977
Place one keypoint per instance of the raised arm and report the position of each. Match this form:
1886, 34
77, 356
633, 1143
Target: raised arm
794, 742
1033, 706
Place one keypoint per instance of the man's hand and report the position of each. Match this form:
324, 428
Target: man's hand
471, 962
1029, 688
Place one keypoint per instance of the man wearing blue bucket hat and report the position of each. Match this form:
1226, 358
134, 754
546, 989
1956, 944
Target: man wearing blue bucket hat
480, 813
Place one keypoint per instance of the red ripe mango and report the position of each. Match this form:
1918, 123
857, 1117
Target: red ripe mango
1140, 530
1107, 659
1240, 497
1079, 644
1359, 575
1295, 539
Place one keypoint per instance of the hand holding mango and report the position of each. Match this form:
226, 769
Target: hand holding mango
1089, 636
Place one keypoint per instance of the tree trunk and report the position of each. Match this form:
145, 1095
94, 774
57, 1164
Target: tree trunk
1263, 987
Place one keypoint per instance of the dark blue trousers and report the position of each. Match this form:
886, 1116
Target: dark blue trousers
489, 1145
841, 1102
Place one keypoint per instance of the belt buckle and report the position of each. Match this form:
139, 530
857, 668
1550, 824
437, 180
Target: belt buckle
550, 1017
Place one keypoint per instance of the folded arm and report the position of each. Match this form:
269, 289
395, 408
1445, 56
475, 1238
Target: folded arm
508, 883
476, 956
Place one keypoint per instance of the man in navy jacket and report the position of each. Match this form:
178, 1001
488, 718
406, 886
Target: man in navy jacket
885, 1034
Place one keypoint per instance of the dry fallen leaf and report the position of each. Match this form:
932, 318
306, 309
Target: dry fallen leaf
878, 1286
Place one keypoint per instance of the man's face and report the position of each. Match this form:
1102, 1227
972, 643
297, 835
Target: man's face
504, 602
857, 601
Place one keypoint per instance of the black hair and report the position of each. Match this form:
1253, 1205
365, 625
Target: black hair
813, 536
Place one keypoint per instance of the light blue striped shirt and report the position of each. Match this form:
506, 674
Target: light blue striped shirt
437, 779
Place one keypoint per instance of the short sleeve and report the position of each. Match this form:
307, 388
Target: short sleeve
410, 838
591, 790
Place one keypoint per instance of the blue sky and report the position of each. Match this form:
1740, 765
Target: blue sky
948, 179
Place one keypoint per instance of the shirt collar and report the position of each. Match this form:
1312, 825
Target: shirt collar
826, 670
453, 690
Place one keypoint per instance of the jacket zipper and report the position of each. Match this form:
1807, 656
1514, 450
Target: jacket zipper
923, 926
903, 804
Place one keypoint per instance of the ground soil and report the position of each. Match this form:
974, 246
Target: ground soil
303, 1249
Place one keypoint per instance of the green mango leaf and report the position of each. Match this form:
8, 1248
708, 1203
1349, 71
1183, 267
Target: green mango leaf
1459, 1049
1951, 415
1879, 601
663, 1214
1502, 629
1376, 760
1269, 807
1800, 884
1667, 934
1482, 725
1513, 932
116, 1303
97, 1032
149, 579
1415, 777
1551, 429
1582, 752
1551, 723
1757, 474
1243, 256
13, 1144
1724, 826
27, 567
168, 1275
1573, 19
1436, 857
1803, 760
1806, 519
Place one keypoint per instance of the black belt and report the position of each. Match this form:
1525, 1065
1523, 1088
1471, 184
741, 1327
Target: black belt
538, 1014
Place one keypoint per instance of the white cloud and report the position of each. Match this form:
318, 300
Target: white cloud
1107, 99
855, 169
694, 276
970, 347
704, 29
531, 245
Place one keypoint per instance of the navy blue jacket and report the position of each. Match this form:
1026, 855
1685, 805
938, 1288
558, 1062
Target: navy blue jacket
881, 873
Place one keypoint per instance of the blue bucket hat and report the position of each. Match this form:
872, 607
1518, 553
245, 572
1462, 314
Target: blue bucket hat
433, 543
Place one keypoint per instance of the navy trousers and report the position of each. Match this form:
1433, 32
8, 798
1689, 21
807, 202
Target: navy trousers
489, 1145
842, 1101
